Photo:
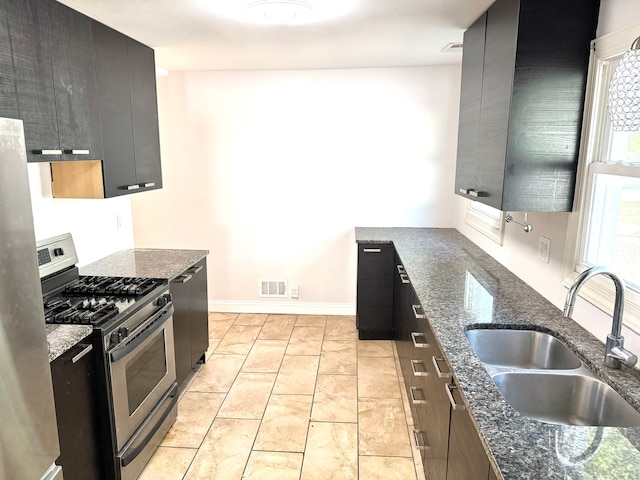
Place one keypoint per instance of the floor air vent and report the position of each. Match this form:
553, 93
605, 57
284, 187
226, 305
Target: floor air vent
272, 288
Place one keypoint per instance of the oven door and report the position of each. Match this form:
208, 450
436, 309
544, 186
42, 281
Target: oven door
142, 369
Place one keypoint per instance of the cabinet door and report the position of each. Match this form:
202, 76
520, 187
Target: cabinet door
114, 95
75, 395
75, 86
199, 321
144, 109
467, 165
374, 305
434, 417
402, 322
26, 81
497, 85
467, 458
180, 293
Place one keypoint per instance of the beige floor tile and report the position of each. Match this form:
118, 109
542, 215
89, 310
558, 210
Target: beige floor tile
196, 413
305, 341
377, 378
338, 358
336, 399
168, 463
386, 468
285, 424
217, 316
218, 374
311, 321
297, 375
340, 327
248, 396
273, 466
251, 319
225, 450
219, 328
331, 452
238, 340
277, 327
382, 428
213, 344
265, 356
375, 348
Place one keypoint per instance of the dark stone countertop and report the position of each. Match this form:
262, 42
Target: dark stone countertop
460, 286
145, 263
63, 337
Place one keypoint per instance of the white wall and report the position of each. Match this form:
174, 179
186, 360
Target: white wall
519, 250
271, 171
98, 227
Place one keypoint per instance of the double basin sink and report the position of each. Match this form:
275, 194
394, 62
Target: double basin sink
542, 379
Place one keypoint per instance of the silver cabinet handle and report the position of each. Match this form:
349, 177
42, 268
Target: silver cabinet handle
463, 190
195, 270
372, 250
414, 339
475, 193
417, 373
401, 269
456, 406
129, 187
76, 358
76, 152
149, 184
414, 400
416, 437
415, 311
183, 278
435, 361
404, 278
46, 152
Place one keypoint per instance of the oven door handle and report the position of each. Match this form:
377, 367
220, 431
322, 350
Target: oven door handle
146, 330
136, 445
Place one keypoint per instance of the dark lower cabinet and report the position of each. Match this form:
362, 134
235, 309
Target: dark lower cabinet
374, 304
75, 396
467, 459
190, 318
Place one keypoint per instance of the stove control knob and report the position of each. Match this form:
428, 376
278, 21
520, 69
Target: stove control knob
116, 338
58, 252
164, 300
123, 332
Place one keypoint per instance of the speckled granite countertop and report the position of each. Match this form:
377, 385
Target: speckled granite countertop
145, 263
63, 337
460, 286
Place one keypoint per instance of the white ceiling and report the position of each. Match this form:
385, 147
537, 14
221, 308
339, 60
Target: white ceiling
190, 35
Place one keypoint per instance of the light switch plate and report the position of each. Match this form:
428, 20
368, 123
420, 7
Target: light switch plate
544, 249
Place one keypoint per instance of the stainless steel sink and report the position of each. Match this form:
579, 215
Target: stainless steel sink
521, 349
566, 399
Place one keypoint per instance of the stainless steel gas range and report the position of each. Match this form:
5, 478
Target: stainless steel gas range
133, 339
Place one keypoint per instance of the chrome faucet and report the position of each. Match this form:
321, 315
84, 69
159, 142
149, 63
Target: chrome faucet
615, 353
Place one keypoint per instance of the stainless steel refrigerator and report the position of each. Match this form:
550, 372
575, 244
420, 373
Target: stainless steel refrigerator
28, 431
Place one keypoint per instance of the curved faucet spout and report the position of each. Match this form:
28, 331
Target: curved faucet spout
615, 353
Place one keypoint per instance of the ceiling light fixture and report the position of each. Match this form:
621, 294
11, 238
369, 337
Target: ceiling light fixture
624, 91
280, 11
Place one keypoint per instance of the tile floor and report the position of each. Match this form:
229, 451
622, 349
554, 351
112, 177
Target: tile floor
290, 397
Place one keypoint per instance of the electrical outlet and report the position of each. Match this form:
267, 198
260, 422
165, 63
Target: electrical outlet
544, 249
294, 290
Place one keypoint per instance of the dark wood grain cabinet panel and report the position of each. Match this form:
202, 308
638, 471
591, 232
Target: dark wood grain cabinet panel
75, 87
190, 318
521, 152
374, 293
26, 79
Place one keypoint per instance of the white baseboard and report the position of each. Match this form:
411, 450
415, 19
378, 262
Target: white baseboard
296, 308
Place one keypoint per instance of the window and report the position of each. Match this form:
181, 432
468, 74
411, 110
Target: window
485, 219
606, 230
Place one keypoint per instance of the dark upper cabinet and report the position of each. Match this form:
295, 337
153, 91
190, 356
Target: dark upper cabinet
26, 81
524, 75
128, 111
48, 79
74, 80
